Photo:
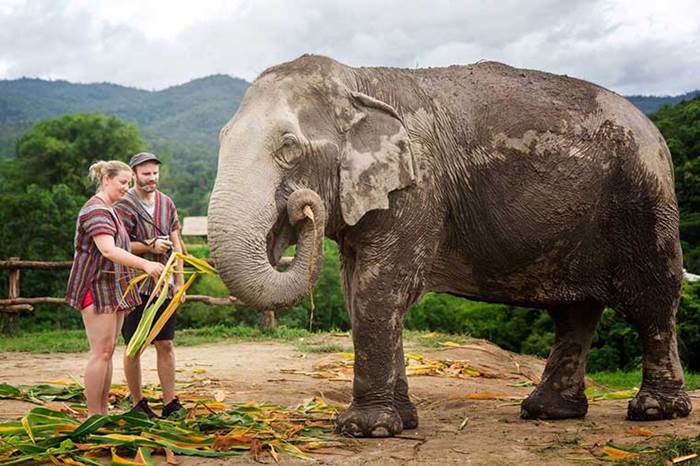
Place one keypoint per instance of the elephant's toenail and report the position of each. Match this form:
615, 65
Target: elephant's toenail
380, 432
353, 430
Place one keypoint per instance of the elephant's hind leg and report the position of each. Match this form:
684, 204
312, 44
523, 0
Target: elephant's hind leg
661, 395
560, 394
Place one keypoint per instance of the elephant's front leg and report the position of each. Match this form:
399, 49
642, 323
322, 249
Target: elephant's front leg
376, 329
402, 402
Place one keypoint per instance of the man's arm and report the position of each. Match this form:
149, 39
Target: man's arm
153, 245
177, 247
138, 248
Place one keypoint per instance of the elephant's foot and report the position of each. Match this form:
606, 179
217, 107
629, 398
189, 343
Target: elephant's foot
408, 413
374, 421
650, 405
550, 404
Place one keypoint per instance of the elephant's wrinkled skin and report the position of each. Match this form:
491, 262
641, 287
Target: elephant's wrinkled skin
484, 181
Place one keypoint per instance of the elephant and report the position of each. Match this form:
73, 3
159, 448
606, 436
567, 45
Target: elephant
483, 181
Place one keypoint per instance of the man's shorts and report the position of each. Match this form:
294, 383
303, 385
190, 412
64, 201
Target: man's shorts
131, 322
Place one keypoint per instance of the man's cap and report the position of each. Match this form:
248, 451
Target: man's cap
143, 157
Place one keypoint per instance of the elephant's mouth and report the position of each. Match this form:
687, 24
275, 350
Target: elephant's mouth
280, 236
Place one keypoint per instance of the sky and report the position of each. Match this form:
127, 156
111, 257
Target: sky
645, 47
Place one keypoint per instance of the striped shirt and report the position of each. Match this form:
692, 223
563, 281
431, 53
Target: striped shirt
91, 270
142, 225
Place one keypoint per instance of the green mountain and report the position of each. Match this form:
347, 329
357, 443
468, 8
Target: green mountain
650, 103
190, 113
180, 123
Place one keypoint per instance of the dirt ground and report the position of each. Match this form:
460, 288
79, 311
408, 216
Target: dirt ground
493, 435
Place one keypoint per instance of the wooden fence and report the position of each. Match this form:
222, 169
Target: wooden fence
15, 303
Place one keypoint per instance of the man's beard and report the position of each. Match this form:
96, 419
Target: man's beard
147, 188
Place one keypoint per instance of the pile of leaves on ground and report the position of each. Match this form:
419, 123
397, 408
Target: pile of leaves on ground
59, 433
335, 368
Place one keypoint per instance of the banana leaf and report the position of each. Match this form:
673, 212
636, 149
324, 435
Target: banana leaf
146, 331
139, 338
200, 264
46, 435
10, 392
169, 311
142, 458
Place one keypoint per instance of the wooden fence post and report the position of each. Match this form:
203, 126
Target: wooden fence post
10, 314
13, 290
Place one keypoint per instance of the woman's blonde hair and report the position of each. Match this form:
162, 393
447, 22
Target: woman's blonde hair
110, 169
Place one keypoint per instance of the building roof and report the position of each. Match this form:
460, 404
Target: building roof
194, 226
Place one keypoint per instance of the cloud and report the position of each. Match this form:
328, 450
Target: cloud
630, 47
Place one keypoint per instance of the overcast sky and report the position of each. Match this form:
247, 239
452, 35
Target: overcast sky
630, 46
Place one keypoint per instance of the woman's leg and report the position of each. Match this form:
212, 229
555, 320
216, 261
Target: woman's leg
108, 374
100, 329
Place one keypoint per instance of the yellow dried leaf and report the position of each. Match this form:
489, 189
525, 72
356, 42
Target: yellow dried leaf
61, 382
452, 344
274, 454
613, 452
168, 312
170, 457
639, 431
680, 459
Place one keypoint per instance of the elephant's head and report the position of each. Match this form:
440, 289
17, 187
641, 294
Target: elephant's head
303, 136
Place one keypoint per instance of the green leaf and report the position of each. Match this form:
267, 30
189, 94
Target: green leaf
10, 392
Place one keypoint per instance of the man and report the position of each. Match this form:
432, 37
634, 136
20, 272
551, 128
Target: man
150, 218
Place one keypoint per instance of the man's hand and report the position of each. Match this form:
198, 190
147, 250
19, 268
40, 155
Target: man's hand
161, 245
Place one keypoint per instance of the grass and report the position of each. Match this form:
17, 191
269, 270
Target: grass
75, 341
434, 339
55, 341
631, 379
218, 333
322, 348
669, 449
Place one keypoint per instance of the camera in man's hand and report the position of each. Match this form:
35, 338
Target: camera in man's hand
161, 245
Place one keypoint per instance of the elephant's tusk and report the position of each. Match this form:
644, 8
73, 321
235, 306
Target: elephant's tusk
308, 212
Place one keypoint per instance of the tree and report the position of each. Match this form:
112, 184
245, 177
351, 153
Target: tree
59, 151
39, 224
43, 189
680, 126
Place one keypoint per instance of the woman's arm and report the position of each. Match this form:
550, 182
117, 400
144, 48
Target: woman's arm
105, 243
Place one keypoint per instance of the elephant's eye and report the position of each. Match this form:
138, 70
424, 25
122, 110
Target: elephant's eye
290, 150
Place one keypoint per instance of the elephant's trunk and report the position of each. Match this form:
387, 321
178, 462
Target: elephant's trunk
241, 231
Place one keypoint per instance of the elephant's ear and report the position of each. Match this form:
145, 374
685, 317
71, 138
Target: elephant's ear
376, 158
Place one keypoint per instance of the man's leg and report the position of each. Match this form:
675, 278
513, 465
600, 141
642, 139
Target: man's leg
132, 372
165, 357
132, 367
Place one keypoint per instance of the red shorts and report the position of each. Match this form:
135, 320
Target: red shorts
87, 299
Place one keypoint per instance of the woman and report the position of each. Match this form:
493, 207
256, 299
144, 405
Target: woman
100, 275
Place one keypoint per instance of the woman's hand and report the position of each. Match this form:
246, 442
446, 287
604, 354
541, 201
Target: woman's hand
154, 269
